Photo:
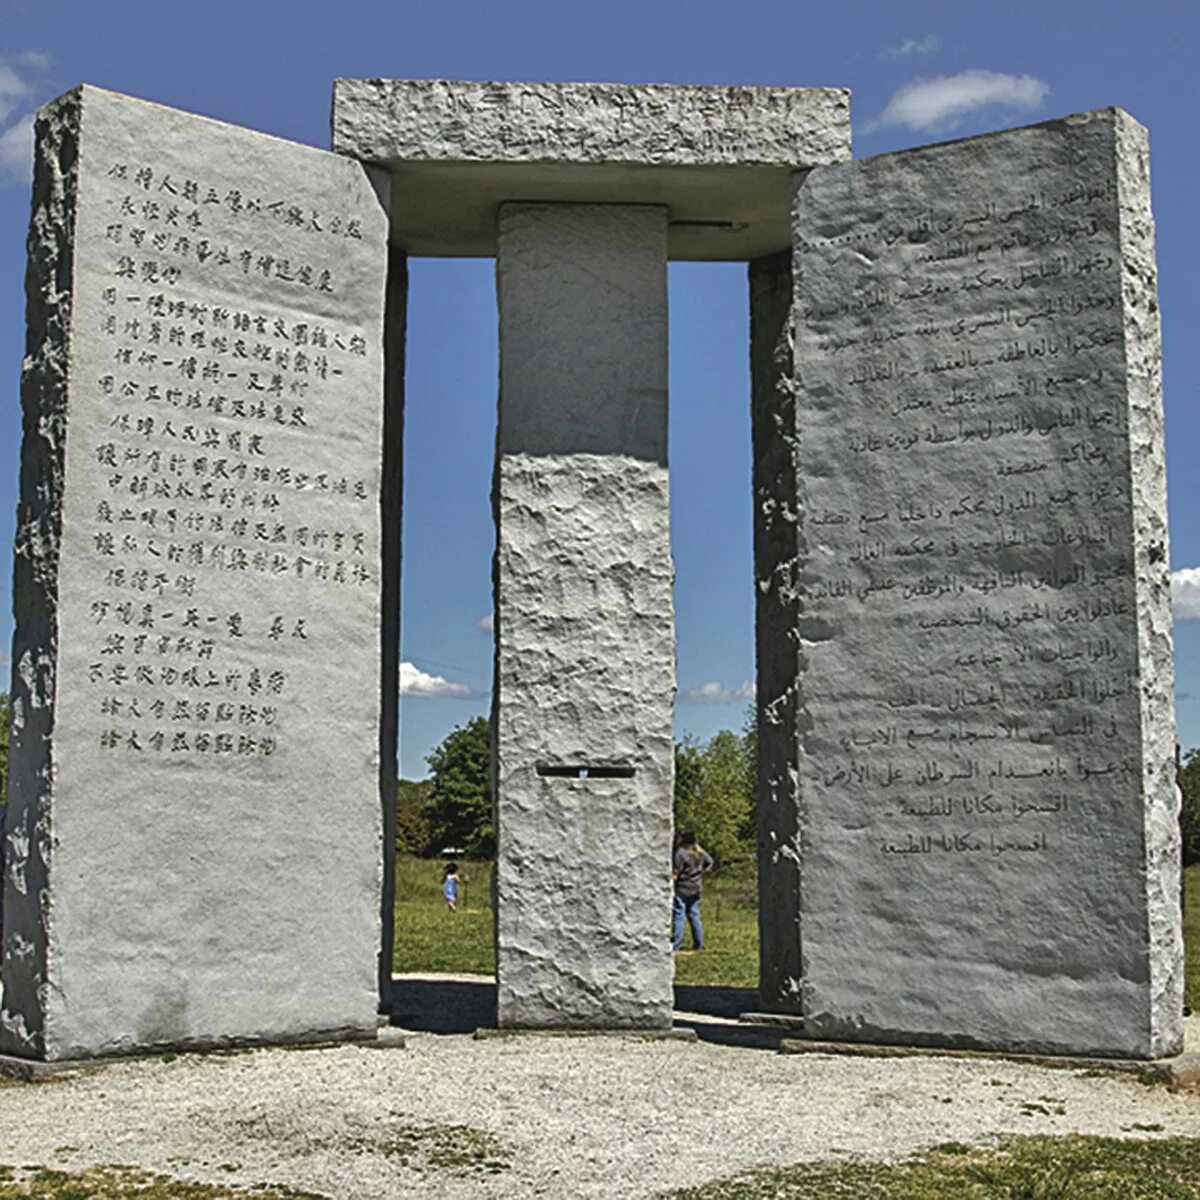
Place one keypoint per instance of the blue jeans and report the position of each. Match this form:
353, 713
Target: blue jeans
688, 906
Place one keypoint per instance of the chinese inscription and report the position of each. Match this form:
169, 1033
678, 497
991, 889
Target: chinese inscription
219, 354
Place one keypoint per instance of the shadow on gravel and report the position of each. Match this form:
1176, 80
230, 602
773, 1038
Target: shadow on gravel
443, 1005
748, 1037
433, 1005
715, 1001
717, 1009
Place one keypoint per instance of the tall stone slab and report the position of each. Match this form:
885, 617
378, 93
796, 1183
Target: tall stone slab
777, 642
391, 503
584, 624
986, 816
194, 814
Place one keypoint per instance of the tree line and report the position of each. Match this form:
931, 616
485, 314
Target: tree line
452, 809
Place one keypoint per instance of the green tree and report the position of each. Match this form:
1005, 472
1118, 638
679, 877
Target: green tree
714, 792
689, 771
412, 826
724, 800
1189, 782
749, 831
459, 806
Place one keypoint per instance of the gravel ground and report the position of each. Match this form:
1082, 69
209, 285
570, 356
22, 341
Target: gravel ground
601, 1116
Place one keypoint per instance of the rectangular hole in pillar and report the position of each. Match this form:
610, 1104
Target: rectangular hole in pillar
585, 771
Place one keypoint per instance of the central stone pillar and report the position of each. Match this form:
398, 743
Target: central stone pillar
584, 622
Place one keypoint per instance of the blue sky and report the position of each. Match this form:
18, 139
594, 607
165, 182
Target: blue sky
919, 72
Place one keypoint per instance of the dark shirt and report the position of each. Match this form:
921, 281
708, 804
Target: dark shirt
689, 867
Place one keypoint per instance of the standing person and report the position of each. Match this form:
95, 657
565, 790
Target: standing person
450, 886
687, 871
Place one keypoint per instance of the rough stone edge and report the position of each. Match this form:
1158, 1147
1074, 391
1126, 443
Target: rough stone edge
1152, 583
776, 620
1181, 1069
1184, 1069
391, 502
358, 105
631, 1033
45, 380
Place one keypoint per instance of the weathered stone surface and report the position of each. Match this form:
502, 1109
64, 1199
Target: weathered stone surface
607, 123
986, 807
778, 647
194, 812
391, 505
720, 158
585, 666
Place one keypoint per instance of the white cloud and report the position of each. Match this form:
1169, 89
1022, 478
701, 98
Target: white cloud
17, 92
922, 45
13, 90
1185, 594
415, 682
942, 102
486, 623
16, 150
714, 692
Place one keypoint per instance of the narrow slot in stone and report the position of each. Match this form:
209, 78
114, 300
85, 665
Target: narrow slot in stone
584, 771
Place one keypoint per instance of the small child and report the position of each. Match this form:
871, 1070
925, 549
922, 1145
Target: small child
450, 886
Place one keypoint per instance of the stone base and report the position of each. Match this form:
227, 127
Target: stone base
1183, 1069
778, 1020
388, 1038
33, 1069
633, 1035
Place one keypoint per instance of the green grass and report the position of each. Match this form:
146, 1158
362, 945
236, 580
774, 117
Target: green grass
459, 1149
729, 910
127, 1183
1030, 1168
1034, 1168
431, 938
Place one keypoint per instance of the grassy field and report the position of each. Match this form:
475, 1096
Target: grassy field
1028, 1168
127, 1183
431, 938
729, 911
